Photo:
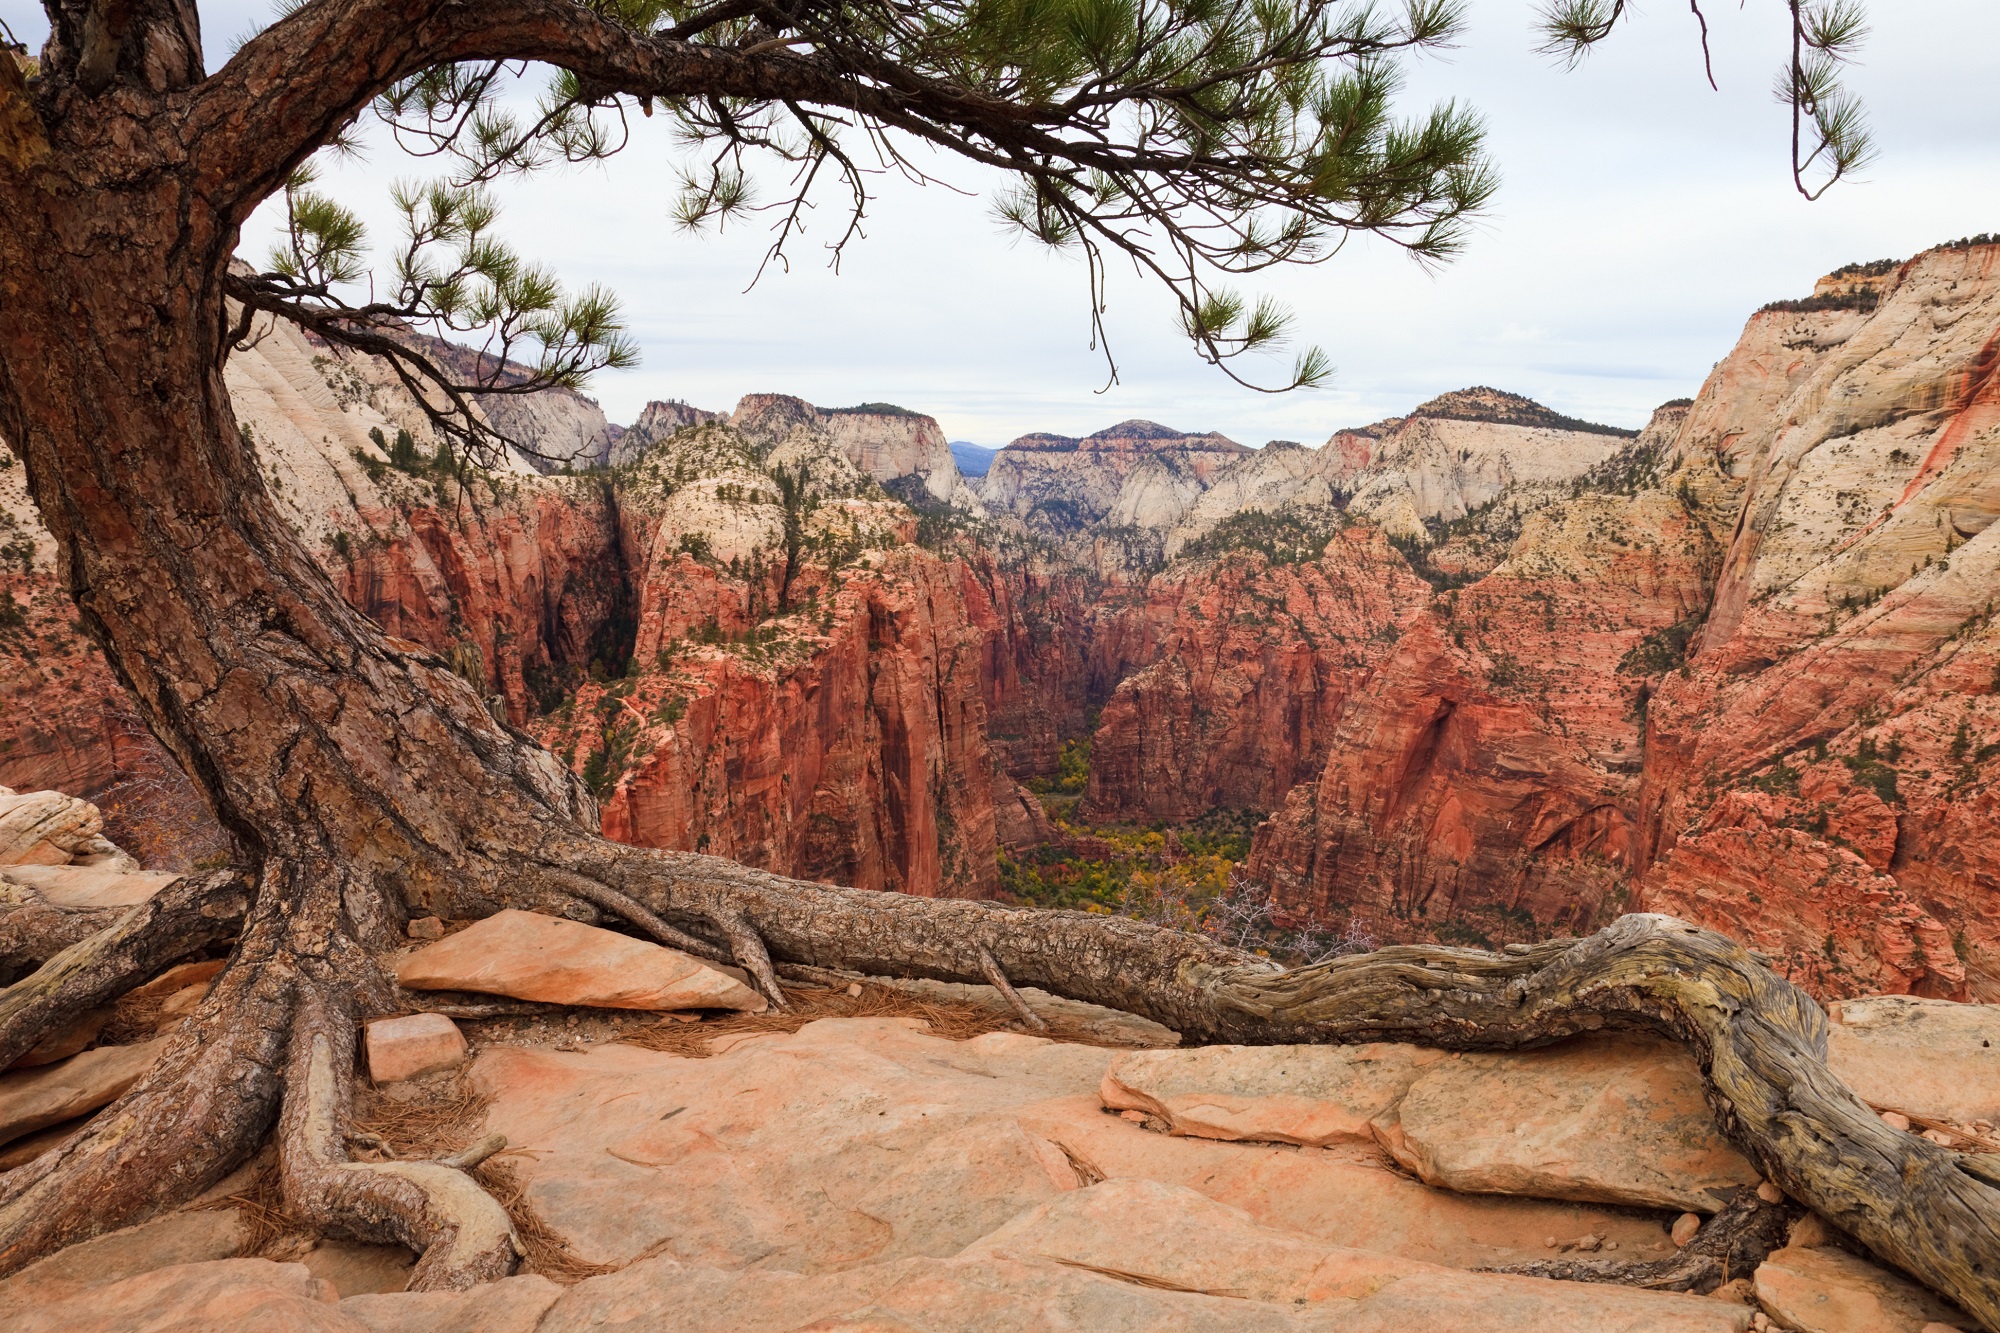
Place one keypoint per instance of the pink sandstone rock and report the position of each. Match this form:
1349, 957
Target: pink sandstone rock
1308, 1095
66, 1040
192, 1237
511, 1305
178, 978
33, 1099
400, 1048
534, 957
1608, 1120
223, 1296
1831, 1291
91, 886
1931, 1057
860, 1141
1173, 1237
44, 827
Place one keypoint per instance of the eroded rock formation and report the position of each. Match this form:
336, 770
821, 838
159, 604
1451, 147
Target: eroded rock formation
1490, 672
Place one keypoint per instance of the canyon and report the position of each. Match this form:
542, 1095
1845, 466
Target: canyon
1479, 674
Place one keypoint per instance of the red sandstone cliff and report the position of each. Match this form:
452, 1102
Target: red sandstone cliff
1834, 741
1742, 669
1244, 665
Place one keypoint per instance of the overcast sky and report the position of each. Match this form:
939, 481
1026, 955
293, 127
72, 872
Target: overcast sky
1641, 219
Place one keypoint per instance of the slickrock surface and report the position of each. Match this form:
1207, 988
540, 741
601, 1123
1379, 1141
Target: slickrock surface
864, 1140
534, 957
1926, 1057
1608, 1120
862, 1173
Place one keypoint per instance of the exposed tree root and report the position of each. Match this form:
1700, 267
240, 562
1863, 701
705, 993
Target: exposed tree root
460, 1231
199, 1112
1759, 1041
33, 929
1729, 1245
188, 915
751, 955
609, 899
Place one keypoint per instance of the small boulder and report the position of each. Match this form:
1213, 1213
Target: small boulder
45, 828
1611, 1120
425, 928
400, 1048
32, 1099
533, 957
178, 978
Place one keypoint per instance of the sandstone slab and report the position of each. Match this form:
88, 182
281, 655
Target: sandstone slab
1612, 1120
192, 1237
83, 886
1935, 1058
533, 957
66, 1040
400, 1048
178, 978
1175, 1238
1308, 1095
32, 1099
355, 1269
1345, 1194
863, 1141
224, 1296
512, 1305
1607, 1120
1825, 1290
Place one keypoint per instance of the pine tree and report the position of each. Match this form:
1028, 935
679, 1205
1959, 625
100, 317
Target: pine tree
365, 784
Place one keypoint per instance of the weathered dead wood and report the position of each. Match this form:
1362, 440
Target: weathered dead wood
1729, 1245
1760, 1041
996, 977
183, 918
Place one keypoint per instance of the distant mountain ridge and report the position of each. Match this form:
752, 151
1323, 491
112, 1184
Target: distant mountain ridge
973, 459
